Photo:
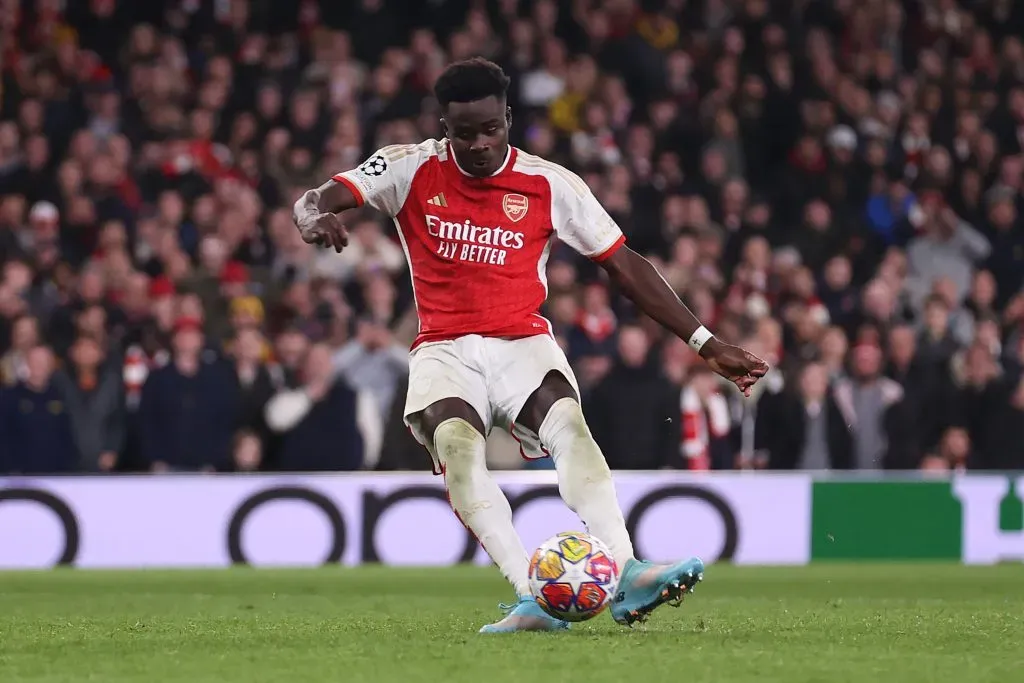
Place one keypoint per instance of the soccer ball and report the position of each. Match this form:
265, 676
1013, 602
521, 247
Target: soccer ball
573, 576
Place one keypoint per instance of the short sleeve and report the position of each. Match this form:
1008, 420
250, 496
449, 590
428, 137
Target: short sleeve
579, 220
383, 181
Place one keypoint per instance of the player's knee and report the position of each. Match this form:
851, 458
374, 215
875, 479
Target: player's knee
459, 447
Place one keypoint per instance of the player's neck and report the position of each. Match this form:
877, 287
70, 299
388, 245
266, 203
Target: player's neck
504, 164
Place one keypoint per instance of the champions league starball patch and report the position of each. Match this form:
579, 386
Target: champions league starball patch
374, 166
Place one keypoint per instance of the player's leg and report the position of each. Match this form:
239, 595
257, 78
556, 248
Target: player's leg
459, 444
553, 411
457, 433
447, 411
585, 483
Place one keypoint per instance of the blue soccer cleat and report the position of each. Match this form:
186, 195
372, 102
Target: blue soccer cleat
644, 586
525, 615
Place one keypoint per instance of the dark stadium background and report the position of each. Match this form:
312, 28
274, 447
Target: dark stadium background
837, 185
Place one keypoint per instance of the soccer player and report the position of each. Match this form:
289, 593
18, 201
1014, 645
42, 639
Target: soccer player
475, 217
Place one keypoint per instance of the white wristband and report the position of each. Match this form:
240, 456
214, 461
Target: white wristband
699, 338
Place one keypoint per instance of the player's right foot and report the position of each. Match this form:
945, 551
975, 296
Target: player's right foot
643, 587
525, 615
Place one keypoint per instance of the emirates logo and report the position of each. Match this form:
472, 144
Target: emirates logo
515, 206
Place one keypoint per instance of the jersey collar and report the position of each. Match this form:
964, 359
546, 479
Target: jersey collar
504, 164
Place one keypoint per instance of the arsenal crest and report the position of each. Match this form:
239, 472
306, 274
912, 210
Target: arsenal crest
515, 206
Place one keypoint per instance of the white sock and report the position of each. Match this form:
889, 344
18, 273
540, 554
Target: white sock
478, 501
584, 479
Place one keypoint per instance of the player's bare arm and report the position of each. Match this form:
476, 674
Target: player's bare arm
643, 284
315, 215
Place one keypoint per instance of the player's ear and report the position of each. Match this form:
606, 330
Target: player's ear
444, 128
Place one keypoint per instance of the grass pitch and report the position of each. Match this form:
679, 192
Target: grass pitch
828, 623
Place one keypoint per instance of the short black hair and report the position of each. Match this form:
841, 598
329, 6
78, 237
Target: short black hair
470, 80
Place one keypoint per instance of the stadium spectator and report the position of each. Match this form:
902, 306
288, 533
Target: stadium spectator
925, 386
93, 391
189, 407
319, 423
879, 417
257, 382
373, 362
247, 454
1001, 423
24, 333
805, 430
36, 434
706, 424
953, 452
1007, 233
633, 412
290, 349
947, 247
937, 343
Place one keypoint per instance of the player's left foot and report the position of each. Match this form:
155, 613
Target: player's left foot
643, 587
525, 615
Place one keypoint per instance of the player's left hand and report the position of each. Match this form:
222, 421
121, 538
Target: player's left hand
740, 367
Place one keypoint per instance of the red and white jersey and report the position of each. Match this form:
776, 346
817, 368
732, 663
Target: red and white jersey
478, 247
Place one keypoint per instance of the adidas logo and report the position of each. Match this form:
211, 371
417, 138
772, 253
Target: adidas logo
438, 200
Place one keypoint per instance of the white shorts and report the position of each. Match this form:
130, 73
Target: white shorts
495, 376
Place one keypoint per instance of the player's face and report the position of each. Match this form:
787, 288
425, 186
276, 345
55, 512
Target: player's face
478, 133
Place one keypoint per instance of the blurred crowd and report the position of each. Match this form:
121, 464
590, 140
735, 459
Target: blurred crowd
835, 184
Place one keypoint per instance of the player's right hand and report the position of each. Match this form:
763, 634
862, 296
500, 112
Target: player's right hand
325, 230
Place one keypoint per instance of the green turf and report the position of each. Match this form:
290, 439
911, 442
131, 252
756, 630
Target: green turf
828, 623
